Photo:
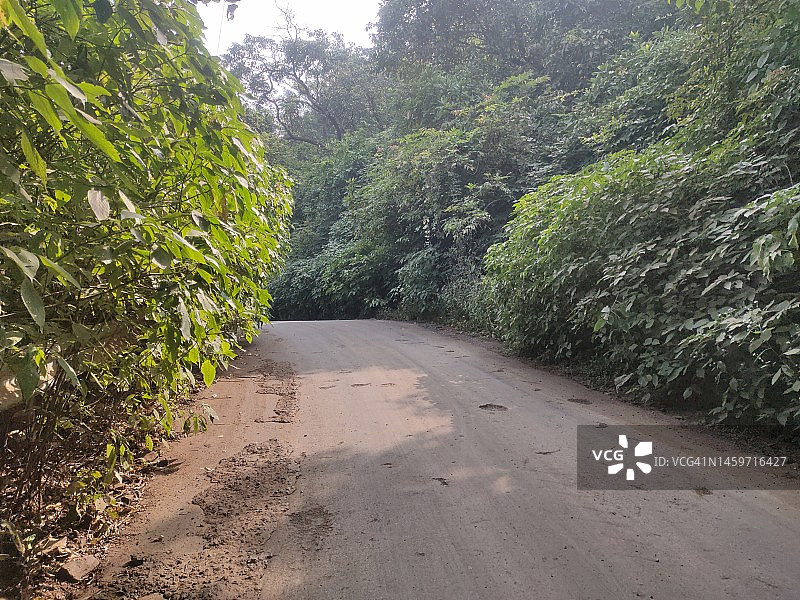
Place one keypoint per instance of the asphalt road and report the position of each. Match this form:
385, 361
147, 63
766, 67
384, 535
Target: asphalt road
409, 490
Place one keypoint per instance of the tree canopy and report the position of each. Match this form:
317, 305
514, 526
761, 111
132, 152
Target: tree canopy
588, 180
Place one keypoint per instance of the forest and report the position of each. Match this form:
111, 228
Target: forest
596, 182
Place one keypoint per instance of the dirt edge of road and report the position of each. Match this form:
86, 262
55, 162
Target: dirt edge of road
203, 535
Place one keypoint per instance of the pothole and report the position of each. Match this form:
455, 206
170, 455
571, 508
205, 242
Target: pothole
578, 400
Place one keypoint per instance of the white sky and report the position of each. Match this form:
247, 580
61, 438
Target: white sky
260, 17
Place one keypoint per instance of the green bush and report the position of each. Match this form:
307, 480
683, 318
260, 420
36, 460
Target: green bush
678, 265
140, 228
347, 279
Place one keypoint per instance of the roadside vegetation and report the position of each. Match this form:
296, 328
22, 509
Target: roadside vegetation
139, 227
614, 182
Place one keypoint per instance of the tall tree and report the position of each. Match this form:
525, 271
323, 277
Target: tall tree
316, 86
564, 39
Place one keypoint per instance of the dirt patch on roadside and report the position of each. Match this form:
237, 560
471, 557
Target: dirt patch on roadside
280, 383
201, 532
241, 508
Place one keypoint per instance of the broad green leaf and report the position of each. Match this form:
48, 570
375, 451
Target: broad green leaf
186, 323
161, 257
59, 271
200, 220
61, 99
622, 379
10, 338
92, 91
33, 302
37, 65
83, 333
127, 202
189, 250
160, 37
28, 376
73, 89
27, 262
33, 157
21, 19
209, 372
167, 420
126, 214
97, 138
70, 12
44, 108
12, 72
88, 118
194, 355
73, 376
58, 95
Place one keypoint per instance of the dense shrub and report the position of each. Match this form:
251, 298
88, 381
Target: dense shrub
677, 263
140, 227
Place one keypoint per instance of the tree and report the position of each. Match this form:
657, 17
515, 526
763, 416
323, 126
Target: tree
564, 40
140, 229
316, 86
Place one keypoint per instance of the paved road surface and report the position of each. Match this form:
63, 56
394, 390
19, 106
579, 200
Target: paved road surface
408, 490
416, 493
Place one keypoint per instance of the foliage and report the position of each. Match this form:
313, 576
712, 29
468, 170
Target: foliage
433, 178
677, 263
316, 86
347, 279
563, 40
654, 148
627, 105
435, 198
323, 188
140, 227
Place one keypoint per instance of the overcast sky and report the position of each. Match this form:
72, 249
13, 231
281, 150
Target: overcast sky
260, 17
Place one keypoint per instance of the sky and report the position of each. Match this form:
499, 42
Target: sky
261, 17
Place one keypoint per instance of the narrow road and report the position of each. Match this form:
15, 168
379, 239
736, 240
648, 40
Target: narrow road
430, 497
409, 490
